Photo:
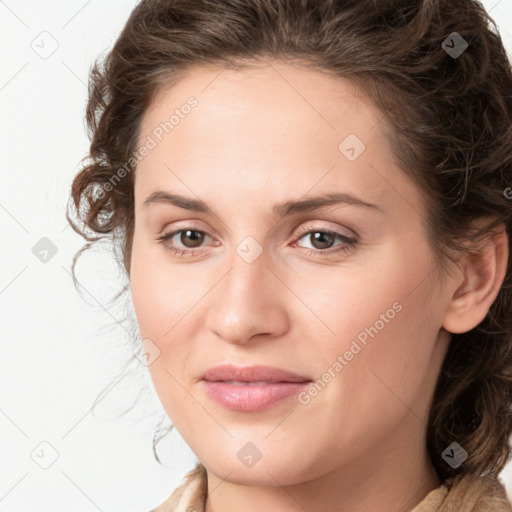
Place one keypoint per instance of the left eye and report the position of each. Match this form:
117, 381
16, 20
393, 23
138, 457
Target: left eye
327, 238
193, 238
195, 235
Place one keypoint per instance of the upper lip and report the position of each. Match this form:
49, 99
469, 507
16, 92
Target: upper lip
251, 374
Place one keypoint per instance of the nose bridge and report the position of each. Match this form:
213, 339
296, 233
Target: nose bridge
246, 302
248, 262
246, 286
247, 277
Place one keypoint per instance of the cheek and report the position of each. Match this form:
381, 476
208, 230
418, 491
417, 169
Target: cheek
394, 356
387, 340
382, 315
164, 300
379, 301
387, 386
161, 294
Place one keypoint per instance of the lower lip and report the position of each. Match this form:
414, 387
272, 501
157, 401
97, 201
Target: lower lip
247, 398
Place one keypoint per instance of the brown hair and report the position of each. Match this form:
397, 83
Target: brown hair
448, 119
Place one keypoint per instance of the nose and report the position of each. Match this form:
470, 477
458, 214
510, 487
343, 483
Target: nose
249, 301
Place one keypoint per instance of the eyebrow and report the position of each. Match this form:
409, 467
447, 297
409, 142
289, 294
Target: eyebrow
279, 210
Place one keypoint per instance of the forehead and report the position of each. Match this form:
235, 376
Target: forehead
268, 127
268, 94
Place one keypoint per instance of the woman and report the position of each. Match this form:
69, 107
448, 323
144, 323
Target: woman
336, 335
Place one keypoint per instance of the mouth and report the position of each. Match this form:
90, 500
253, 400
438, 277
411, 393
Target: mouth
255, 373
251, 388
249, 383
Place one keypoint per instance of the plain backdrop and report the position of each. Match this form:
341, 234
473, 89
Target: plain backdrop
61, 348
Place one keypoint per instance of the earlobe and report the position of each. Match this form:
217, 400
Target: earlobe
483, 271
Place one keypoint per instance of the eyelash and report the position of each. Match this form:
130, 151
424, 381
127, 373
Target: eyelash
348, 243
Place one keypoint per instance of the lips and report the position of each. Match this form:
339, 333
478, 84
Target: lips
258, 373
251, 388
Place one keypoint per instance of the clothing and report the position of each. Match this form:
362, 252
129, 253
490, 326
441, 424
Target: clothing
467, 494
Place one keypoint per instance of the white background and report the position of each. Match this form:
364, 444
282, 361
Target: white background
60, 349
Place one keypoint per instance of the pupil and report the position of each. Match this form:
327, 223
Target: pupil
198, 239
318, 236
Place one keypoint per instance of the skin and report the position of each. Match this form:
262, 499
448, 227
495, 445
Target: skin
260, 136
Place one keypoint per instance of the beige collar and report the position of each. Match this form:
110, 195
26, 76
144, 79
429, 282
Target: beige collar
466, 493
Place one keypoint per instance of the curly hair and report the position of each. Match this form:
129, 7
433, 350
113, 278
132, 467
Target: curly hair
448, 120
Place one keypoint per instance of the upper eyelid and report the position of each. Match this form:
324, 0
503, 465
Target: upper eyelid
313, 228
297, 219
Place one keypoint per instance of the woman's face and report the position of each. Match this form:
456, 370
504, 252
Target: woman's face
343, 294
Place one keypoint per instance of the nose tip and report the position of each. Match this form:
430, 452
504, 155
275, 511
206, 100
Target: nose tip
247, 304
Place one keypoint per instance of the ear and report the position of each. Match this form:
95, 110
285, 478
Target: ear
482, 271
